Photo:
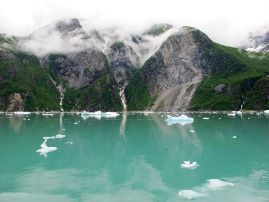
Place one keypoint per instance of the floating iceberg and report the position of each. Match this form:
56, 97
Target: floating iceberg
51, 137
44, 149
190, 194
109, 114
231, 114
182, 119
214, 184
69, 143
47, 114
189, 165
266, 112
98, 114
192, 131
205, 118
22, 113
234, 137
59, 136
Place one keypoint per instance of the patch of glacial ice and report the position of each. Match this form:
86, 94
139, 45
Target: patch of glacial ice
182, 119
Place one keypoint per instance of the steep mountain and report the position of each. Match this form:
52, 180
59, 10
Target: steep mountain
185, 73
24, 84
258, 42
67, 66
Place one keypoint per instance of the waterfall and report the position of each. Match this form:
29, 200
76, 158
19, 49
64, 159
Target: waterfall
123, 98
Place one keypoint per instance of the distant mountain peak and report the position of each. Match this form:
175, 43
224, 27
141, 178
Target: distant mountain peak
70, 25
158, 29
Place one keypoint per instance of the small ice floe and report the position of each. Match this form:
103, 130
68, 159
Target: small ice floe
182, 119
266, 112
47, 114
146, 113
190, 194
215, 184
98, 114
231, 114
76, 123
44, 149
234, 137
47, 138
192, 131
59, 136
28, 119
219, 118
110, 114
205, 118
69, 143
19, 113
189, 165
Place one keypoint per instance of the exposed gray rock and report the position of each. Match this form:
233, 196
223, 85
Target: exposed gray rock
77, 69
123, 60
220, 88
175, 70
15, 102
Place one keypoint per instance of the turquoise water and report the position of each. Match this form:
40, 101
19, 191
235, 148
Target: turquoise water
134, 158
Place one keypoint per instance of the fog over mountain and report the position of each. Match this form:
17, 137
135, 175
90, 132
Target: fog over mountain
228, 22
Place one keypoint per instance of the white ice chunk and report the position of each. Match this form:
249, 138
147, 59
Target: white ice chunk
51, 137
109, 114
44, 149
76, 123
69, 143
190, 194
234, 137
22, 113
231, 114
59, 136
192, 131
214, 184
182, 119
205, 118
266, 112
47, 114
189, 165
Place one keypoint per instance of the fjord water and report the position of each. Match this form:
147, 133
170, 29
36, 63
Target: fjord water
133, 157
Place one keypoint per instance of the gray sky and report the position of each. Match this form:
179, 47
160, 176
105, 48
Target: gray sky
225, 21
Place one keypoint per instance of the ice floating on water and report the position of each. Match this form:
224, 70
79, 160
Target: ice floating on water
98, 114
44, 149
204, 190
69, 143
205, 118
215, 184
59, 136
22, 113
266, 112
47, 114
109, 114
231, 114
190, 194
192, 131
234, 137
182, 119
76, 123
189, 165
51, 137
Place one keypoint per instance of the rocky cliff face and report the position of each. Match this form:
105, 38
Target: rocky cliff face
161, 69
174, 72
123, 61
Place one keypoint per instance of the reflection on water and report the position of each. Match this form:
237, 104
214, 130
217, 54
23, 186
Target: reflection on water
101, 165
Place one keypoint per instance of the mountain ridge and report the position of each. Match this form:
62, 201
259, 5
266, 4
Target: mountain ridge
162, 69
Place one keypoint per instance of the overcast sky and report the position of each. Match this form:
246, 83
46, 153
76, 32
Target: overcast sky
226, 21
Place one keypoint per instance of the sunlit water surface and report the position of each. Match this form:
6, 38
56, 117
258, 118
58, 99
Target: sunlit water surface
134, 158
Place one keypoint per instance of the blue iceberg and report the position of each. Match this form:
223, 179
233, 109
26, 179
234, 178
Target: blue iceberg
182, 119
